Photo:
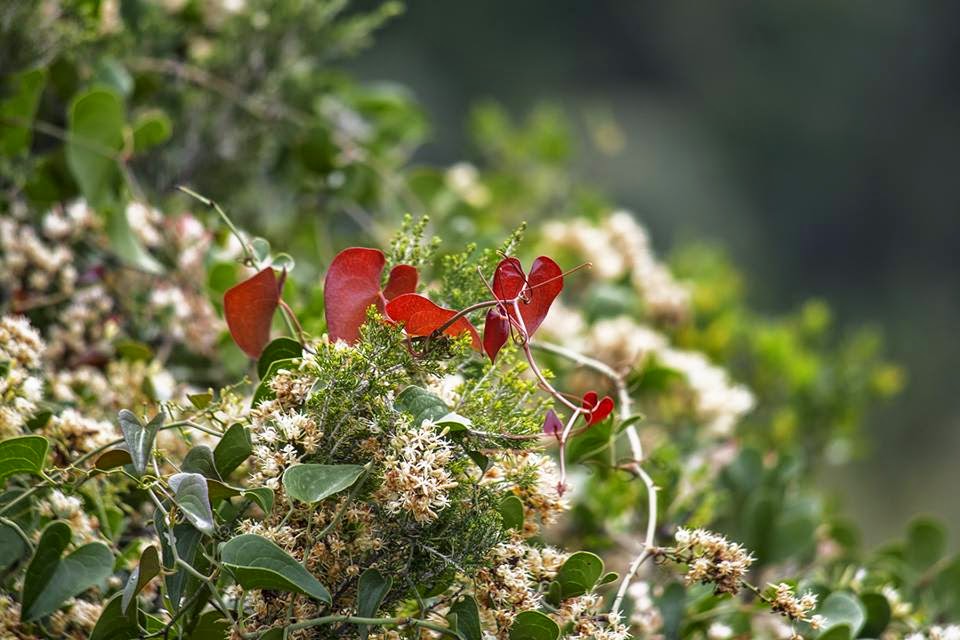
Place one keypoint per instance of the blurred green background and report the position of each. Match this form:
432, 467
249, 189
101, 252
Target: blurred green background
817, 141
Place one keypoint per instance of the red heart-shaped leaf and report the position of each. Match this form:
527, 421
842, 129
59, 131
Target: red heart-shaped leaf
544, 283
552, 426
248, 308
508, 279
421, 317
496, 330
403, 279
351, 285
596, 411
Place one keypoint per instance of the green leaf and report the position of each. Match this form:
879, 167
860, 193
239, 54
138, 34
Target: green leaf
257, 563
264, 392
95, 125
190, 493
610, 576
200, 400
139, 437
511, 511
261, 249
113, 458
133, 351
312, 483
50, 580
211, 626
125, 244
110, 72
371, 590
842, 609
926, 543
263, 496
579, 574
116, 623
421, 404
188, 541
200, 460
152, 128
454, 422
12, 547
840, 632
19, 109
878, 614
146, 570
26, 454
946, 588
234, 447
533, 625
278, 349
468, 618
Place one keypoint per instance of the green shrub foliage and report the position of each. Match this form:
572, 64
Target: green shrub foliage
206, 434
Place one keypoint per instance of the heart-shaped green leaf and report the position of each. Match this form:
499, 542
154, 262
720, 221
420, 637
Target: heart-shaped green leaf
95, 124
842, 608
21, 93
314, 482
200, 460
190, 493
421, 404
139, 437
12, 547
146, 570
511, 510
533, 625
217, 490
234, 447
372, 588
188, 540
468, 618
116, 623
50, 579
258, 563
278, 349
112, 459
25, 454
579, 574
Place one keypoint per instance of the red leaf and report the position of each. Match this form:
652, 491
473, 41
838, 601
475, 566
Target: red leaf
248, 308
508, 279
496, 330
545, 283
351, 285
596, 411
421, 317
537, 292
403, 279
552, 426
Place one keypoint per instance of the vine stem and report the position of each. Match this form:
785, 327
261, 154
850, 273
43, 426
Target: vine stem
414, 622
636, 453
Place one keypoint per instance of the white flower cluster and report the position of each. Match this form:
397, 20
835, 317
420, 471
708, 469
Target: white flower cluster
533, 477
416, 479
79, 433
510, 581
70, 508
30, 265
718, 400
20, 388
794, 607
84, 327
712, 559
950, 632
622, 247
